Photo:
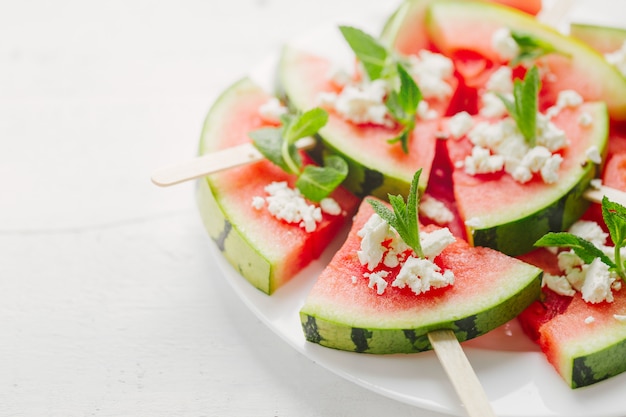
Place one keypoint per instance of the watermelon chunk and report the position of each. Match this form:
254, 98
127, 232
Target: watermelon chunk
375, 167
266, 251
510, 216
490, 289
463, 30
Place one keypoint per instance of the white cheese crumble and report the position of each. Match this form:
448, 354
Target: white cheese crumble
618, 58
585, 119
360, 103
460, 124
503, 43
501, 81
435, 210
380, 245
421, 275
377, 279
589, 319
430, 71
272, 110
593, 154
620, 317
594, 281
492, 106
288, 204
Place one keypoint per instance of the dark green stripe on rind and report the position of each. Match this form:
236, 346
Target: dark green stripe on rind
233, 245
598, 366
343, 336
556, 217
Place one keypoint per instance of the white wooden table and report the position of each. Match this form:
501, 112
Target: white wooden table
110, 303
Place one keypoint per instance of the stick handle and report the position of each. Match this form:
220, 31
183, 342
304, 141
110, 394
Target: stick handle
595, 195
215, 162
460, 372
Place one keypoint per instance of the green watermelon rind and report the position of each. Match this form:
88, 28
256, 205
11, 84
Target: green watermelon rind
565, 205
588, 366
245, 257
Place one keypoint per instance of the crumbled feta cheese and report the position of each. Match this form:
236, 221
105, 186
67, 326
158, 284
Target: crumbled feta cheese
272, 109
585, 119
481, 161
620, 317
287, 204
354, 279
460, 124
433, 243
377, 279
362, 103
420, 275
558, 283
550, 170
492, 106
373, 233
618, 58
549, 135
590, 231
330, 206
501, 81
339, 76
435, 210
258, 202
597, 285
569, 98
503, 43
424, 111
474, 222
589, 319
430, 71
593, 154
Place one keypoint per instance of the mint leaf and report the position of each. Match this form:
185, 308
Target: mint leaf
403, 138
530, 47
368, 50
402, 105
585, 250
306, 124
614, 215
523, 109
316, 183
403, 218
277, 144
269, 142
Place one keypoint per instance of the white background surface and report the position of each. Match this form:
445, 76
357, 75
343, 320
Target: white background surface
110, 302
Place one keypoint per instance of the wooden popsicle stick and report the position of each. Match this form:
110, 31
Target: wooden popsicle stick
215, 162
595, 195
460, 372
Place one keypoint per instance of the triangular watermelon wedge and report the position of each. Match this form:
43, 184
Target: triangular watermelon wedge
343, 312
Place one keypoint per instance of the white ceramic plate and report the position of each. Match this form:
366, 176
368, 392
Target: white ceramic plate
517, 379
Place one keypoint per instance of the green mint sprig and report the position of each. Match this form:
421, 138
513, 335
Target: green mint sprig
531, 47
380, 63
614, 216
278, 145
403, 218
524, 106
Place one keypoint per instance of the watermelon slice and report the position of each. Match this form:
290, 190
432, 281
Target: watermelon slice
266, 251
509, 216
375, 167
344, 313
463, 30
586, 343
601, 38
